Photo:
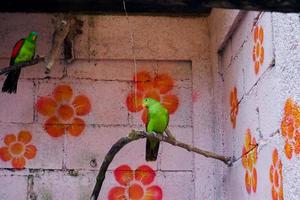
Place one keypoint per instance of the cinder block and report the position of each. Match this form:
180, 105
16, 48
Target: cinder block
82, 42
243, 32
174, 189
176, 158
178, 70
227, 55
18, 107
122, 70
247, 118
249, 65
17, 26
76, 185
13, 187
96, 142
49, 153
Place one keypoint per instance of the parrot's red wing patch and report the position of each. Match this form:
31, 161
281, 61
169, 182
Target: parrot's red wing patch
16, 50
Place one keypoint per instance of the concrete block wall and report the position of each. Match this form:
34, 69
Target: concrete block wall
257, 55
61, 161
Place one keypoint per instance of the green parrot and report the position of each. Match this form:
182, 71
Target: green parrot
24, 50
158, 119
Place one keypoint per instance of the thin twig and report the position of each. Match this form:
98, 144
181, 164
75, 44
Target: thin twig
135, 135
22, 65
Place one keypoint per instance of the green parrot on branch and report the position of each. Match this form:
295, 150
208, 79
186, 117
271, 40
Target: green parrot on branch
157, 122
24, 50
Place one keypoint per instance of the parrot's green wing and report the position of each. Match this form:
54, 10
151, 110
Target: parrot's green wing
158, 119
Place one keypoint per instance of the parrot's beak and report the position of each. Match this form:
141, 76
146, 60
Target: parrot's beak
144, 105
34, 38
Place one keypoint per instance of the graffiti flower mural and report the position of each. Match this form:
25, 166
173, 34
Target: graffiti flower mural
249, 161
18, 149
135, 185
64, 111
258, 53
276, 177
234, 106
157, 87
290, 128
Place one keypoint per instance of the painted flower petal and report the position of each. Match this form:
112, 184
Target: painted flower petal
255, 33
262, 55
54, 127
261, 34
271, 171
62, 93
46, 106
254, 180
248, 140
24, 137
65, 112
134, 102
30, 151
275, 157
276, 179
281, 192
145, 116
153, 193
233, 120
82, 105
256, 67
244, 159
288, 149
117, 193
10, 138
248, 182
145, 174
170, 102
76, 127
283, 127
274, 193
143, 81
297, 142
18, 162
4, 154
154, 94
123, 174
253, 54
135, 192
164, 83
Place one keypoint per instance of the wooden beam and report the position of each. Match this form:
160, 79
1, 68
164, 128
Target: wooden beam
152, 7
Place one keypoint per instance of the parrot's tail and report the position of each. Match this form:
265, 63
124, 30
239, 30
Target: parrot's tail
11, 81
151, 152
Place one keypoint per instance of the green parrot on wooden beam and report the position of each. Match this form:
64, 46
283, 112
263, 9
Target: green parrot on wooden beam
157, 122
24, 50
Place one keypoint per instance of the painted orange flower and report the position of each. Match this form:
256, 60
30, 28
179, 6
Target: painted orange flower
234, 106
18, 149
157, 88
276, 177
135, 185
249, 161
63, 111
258, 53
290, 128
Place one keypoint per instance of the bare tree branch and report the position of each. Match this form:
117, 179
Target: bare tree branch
22, 65
136, 135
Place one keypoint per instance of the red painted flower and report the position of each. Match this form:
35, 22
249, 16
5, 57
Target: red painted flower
290, 128
135, 185
276, 177
234, 106
64, 112
258, 53
18, 149
249, 161
157, 88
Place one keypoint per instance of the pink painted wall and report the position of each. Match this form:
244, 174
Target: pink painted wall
94, 92
256, 79
211, 64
